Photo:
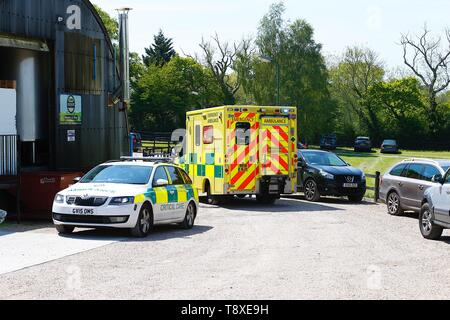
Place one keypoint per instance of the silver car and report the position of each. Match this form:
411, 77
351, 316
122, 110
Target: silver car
404, 185
435, 214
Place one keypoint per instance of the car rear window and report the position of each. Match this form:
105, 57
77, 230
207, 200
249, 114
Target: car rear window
397, 171
175, 175
187, 179
414, 171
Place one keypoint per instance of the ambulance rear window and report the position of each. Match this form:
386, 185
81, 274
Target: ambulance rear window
243, 133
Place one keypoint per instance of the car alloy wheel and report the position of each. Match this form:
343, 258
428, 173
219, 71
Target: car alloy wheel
393, 204
427, 225
145, 221
310, 190
190, 215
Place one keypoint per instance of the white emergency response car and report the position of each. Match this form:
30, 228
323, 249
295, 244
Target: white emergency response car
132, 193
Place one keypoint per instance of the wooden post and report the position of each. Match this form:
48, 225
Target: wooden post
377, 186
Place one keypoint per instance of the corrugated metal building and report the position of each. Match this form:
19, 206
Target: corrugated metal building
67, 80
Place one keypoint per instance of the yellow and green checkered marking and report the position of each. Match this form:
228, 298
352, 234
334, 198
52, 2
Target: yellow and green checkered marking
159, 195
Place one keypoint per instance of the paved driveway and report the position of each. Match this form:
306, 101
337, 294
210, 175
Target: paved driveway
293, 250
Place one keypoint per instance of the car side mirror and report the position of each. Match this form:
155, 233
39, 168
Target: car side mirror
438, 178
161, 183
76, 180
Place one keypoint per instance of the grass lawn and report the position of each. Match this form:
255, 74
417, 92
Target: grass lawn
375, 161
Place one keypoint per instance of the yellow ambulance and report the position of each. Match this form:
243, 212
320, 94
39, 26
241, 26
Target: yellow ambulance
241, 151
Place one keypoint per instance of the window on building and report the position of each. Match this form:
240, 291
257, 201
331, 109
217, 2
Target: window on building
82, 64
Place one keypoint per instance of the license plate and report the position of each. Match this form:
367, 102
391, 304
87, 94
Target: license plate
273, 188
350, 185
83, 212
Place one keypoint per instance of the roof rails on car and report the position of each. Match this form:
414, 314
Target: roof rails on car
421, 159
156, 158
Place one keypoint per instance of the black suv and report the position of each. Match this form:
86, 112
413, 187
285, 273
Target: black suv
322, 173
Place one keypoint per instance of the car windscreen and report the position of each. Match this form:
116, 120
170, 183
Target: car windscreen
390, 142
324, 159
122, 174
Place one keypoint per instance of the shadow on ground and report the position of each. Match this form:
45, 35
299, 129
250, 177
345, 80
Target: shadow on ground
280, 206
159, 233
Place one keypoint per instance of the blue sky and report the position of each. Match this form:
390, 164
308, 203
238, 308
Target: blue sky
337, 24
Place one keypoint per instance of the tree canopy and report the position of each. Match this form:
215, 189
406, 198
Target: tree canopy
160, 52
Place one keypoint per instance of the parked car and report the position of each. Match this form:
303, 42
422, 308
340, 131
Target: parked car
435, 213
322, 173
363, 144
389, 146
3, 215
328, 142
127, 194
137, 141
404, 185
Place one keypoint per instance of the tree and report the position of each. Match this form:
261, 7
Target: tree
111, 24
220, 58
351, 79
164, 94
303, 76
429, 61
160, 52
402, 111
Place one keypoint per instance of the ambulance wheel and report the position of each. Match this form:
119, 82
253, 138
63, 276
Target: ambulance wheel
189, 218
62, 229
266, 199
144, 223
210, 199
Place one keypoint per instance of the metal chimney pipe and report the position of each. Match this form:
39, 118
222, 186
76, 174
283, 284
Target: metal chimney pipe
124, 54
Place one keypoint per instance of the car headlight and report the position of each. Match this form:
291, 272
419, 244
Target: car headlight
118, 201
59, 198
326, 174
363, 177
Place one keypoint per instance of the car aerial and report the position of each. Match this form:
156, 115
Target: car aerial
137, 141
328, 142
389, 146
132, 194
435, 212
403, 186
323, 173
363, 144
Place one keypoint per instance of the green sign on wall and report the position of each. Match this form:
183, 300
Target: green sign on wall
70, 109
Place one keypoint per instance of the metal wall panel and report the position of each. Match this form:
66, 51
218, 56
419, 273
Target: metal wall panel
102, 134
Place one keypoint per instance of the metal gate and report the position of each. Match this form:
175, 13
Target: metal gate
9, 155
10, 167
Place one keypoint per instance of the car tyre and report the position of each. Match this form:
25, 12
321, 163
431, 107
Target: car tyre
144, 224
311, 191
189, 218
63, 229
428, 229
394, 204
356, 199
